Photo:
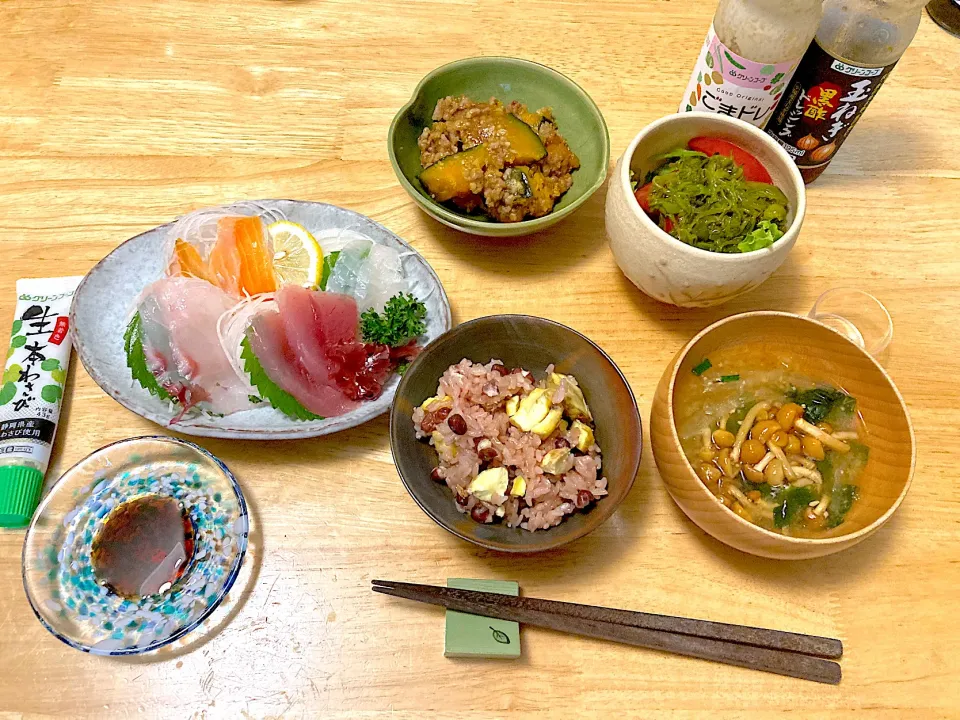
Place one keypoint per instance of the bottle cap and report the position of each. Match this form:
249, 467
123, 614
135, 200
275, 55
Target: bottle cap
19, 494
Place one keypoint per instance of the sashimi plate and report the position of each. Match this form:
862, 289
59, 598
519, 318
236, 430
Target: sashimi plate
103, 306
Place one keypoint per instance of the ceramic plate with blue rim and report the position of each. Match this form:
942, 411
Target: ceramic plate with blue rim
135, 546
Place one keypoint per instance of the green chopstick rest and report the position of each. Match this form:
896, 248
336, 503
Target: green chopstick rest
475, 636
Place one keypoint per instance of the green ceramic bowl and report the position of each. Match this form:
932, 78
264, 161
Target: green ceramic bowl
506, 79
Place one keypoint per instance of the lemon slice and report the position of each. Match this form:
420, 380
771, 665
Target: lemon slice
297, 256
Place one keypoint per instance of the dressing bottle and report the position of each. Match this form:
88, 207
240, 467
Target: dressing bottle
856, 46
749, 56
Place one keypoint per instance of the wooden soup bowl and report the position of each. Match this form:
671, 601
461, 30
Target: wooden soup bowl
824, 355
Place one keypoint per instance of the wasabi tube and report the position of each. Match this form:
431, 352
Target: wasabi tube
31, 392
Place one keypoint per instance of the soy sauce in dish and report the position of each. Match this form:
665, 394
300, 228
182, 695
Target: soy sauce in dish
144, 547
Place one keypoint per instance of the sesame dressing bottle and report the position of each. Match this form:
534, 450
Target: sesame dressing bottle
856, 47
749, 56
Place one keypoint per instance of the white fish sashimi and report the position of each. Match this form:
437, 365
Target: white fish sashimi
368, 272
335, 239
350, 274
179, 317
386, 277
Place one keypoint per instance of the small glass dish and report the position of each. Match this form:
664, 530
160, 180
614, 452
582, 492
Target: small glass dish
60, 574
857, 315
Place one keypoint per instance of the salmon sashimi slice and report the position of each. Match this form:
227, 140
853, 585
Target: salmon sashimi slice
241, 260
188, 263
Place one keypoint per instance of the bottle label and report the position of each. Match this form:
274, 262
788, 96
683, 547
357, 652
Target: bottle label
726, 83
822, 104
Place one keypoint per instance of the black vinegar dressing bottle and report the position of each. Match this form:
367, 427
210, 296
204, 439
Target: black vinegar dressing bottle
856, 47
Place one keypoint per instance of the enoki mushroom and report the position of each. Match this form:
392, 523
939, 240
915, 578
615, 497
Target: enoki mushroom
745, 428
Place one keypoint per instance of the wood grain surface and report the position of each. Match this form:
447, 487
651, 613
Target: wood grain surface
118, 116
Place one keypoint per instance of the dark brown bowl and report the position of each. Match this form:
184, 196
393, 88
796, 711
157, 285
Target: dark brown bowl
531, 343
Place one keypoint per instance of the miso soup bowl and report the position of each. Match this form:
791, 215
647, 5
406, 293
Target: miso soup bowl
669, 270
823, 354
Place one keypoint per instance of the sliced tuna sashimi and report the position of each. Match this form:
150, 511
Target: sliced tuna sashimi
179, 319
315, 389
313, 322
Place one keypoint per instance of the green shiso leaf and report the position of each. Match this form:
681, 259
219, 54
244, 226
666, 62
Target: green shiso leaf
328, 262
137, 360
269, 390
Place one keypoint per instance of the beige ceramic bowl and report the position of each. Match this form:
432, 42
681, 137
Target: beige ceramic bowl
824, 354
674, 272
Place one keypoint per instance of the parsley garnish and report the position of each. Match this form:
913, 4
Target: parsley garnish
403, 319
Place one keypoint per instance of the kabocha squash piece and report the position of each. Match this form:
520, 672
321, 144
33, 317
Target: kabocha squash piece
523, 139
525, 144
446, 178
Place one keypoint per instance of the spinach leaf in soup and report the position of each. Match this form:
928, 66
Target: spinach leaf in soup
842, 469
792, 502
763, 488
840, 503
821, 403
736, 419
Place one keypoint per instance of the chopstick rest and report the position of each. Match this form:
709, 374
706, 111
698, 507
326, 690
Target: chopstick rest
476, 636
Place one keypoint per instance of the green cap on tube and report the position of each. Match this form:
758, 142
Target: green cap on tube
19, 494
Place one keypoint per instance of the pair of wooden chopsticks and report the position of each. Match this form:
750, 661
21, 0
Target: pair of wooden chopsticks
775, 651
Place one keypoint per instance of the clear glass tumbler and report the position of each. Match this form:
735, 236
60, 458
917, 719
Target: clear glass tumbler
856, 314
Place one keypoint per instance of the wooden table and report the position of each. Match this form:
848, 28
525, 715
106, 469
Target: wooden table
118, 116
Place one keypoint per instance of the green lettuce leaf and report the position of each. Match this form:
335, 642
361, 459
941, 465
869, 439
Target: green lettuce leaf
764, 235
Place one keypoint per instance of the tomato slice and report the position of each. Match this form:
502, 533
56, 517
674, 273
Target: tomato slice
753, 169
643, 197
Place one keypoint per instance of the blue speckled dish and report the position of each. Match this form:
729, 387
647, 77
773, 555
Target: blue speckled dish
57, 572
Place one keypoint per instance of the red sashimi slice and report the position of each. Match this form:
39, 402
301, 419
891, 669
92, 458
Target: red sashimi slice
303, 332
318, 394
338, 314
315, 322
